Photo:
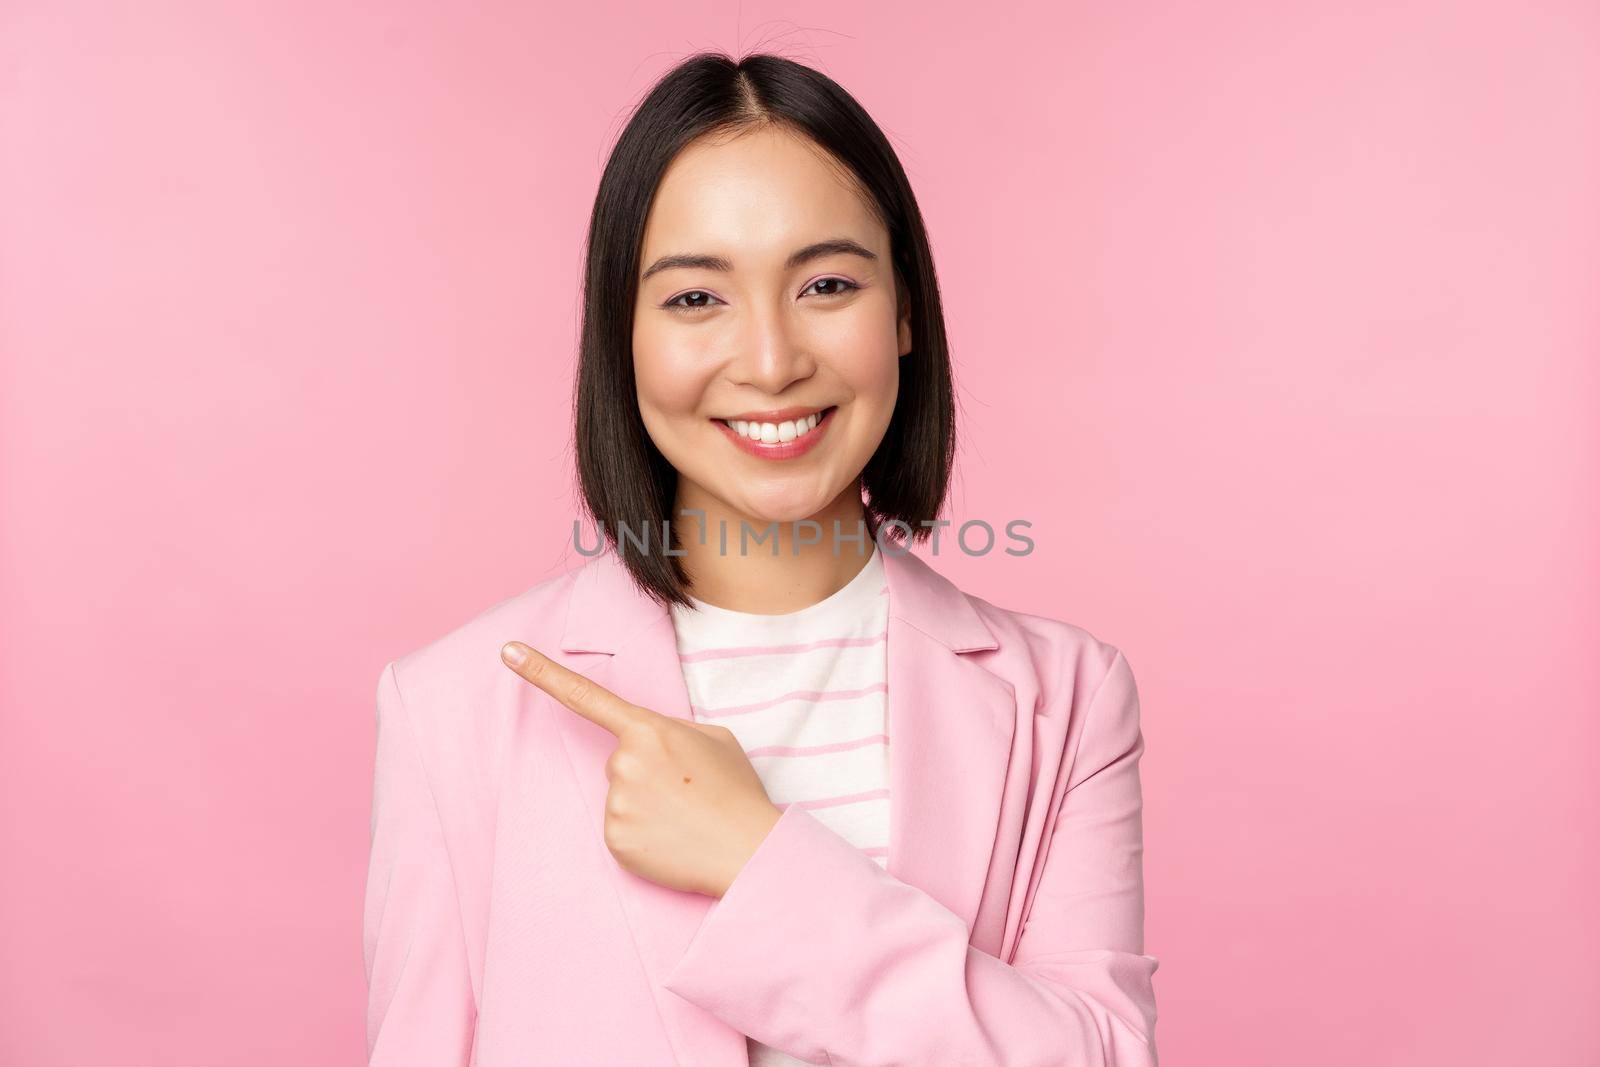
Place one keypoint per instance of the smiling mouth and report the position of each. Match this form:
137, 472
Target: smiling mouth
772, 433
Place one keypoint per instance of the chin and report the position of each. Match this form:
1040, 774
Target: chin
787, 511
763, 516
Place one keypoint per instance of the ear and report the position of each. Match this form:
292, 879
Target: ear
904, 331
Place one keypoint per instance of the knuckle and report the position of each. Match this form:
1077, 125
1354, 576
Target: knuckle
621, 762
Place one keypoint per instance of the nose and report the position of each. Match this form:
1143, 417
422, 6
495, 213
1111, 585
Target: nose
770, 357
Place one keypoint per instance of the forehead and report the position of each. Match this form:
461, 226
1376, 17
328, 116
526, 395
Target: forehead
757, 195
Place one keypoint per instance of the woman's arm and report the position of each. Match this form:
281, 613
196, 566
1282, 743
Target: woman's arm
420, 1006
817, 950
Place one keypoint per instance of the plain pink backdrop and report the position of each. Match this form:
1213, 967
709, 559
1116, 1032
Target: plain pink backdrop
1301, 297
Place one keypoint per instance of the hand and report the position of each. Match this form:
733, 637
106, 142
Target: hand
685, 809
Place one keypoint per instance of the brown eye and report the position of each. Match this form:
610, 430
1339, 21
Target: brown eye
844, 286
673, 305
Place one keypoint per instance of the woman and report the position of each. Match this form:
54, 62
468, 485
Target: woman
706, 799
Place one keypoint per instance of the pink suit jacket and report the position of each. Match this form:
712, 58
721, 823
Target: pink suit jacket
1006, 931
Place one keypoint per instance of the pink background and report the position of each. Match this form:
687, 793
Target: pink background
1278, 321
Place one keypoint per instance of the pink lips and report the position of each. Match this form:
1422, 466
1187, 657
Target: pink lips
783, 449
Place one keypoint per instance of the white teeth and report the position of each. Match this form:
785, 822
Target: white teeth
771, 433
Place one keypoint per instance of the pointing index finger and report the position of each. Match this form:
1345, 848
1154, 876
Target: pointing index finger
594, 702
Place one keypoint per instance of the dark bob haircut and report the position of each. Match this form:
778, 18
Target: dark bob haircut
623, 479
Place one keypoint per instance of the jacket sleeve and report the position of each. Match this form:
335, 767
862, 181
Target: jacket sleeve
420, 1006
817, 950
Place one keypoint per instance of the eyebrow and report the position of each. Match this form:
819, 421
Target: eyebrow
832, 247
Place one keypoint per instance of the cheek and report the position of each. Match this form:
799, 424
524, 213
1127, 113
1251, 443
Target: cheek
865, 357
670, 377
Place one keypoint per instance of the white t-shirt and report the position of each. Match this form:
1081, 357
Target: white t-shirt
807, 696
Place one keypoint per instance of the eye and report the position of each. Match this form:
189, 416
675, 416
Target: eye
673, 305
844, 284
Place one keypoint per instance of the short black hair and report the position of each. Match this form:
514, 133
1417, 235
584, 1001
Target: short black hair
622, 477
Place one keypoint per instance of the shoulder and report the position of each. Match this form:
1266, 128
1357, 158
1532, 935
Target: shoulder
1054, 648
454, 689
1081, 684
1066, 664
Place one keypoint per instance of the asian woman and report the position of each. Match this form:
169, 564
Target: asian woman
755, 784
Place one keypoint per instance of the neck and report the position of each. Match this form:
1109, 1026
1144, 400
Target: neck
755, 578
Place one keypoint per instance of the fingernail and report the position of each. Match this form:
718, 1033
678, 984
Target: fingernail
514, 654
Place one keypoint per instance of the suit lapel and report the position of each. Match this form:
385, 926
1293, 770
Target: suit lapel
609, 614
951, 725
950, 731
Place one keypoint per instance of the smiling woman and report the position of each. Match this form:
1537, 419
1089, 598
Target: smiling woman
796, 299
690, 803
756, 256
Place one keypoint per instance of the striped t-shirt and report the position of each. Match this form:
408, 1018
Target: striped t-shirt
806, 695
